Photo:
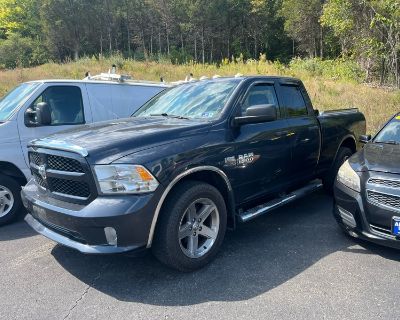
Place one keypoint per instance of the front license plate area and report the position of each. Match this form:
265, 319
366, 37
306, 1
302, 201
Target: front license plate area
396, 226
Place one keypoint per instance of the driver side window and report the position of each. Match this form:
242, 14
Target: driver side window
65, 104
260, 93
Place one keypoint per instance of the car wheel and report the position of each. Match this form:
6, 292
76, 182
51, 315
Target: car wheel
10, 199
191, 226
328, 181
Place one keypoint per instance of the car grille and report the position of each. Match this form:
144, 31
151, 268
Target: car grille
382, 231
384, 199
385, 182
61, 175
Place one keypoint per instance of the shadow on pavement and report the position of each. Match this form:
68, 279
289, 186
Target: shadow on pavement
16, 230
254, 259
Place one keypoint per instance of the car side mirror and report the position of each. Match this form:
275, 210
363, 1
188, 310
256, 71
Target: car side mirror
40, 116
257, 113
365, 138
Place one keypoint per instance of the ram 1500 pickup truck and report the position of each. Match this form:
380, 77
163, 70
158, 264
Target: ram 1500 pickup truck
192, 162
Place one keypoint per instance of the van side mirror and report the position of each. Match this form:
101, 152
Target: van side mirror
365, 138
41, 116
257, 113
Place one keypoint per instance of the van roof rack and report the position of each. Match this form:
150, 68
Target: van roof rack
111, 75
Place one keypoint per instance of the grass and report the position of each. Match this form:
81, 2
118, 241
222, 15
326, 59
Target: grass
326, 92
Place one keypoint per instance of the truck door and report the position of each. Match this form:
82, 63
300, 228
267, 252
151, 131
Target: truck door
261, 153
69, 108
305, 136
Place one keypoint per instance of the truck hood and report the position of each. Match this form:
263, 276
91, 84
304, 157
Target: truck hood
378, 157
105, 142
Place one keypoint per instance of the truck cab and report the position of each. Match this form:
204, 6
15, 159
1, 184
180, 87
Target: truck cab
67, 104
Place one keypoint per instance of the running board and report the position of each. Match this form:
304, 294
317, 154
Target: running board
278, 202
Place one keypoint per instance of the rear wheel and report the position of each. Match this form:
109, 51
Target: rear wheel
343, 154
10, 199
192, 226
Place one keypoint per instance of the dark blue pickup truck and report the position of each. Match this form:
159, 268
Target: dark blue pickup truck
192, 162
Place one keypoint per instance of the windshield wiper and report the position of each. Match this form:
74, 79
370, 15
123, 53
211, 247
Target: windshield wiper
388, 142
168, 116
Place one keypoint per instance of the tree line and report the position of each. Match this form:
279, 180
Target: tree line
182, 31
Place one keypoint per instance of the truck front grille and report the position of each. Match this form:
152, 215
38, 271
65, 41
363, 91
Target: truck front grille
63, 176
64, 164
73, 188
384, 199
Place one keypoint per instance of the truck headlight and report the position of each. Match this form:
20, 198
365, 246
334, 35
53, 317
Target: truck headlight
124, 178
349, 177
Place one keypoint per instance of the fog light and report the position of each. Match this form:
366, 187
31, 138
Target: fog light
111, 236
347, 218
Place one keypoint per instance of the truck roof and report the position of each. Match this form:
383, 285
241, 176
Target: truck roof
243, 77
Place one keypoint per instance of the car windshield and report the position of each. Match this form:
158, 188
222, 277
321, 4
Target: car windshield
14, 98
390, 134
196, 100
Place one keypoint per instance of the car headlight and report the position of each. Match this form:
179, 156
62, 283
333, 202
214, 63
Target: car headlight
124, 178
349, 177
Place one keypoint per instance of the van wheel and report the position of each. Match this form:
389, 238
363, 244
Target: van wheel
191, 227
10, 199
329, 180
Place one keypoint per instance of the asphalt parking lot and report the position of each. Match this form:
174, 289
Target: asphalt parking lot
293, 263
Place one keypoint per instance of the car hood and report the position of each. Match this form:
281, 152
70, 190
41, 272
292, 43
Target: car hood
105, 142
378, 157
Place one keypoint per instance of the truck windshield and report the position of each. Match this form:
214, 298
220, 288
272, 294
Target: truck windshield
14, 98
196, 100
390, 134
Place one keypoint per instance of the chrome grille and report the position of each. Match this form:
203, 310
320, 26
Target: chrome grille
63, 164
384, 199
35, 158
39, 180
385, 182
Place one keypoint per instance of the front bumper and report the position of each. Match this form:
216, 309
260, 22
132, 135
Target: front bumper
350, 212
82, 227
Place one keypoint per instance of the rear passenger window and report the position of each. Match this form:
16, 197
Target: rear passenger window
65, 104
293, 101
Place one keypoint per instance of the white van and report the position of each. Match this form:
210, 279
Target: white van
39, 108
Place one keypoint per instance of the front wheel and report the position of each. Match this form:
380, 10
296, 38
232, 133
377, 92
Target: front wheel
10, 199
192, 226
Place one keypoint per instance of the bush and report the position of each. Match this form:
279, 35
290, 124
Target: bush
17, 51
334, 69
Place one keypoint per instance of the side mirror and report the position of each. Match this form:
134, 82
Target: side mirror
365, 138
41, 116
258, 113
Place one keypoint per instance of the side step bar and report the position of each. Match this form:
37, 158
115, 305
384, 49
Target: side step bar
278, 202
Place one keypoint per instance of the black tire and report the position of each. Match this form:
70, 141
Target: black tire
167, 245
328, 181
15, 188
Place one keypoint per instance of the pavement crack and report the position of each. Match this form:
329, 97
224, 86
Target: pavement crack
85, 291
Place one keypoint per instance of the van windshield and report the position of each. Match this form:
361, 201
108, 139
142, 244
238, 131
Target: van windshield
196, 100
14, 98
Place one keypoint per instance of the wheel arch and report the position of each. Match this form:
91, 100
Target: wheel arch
349, 141
11, 170
209, 174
